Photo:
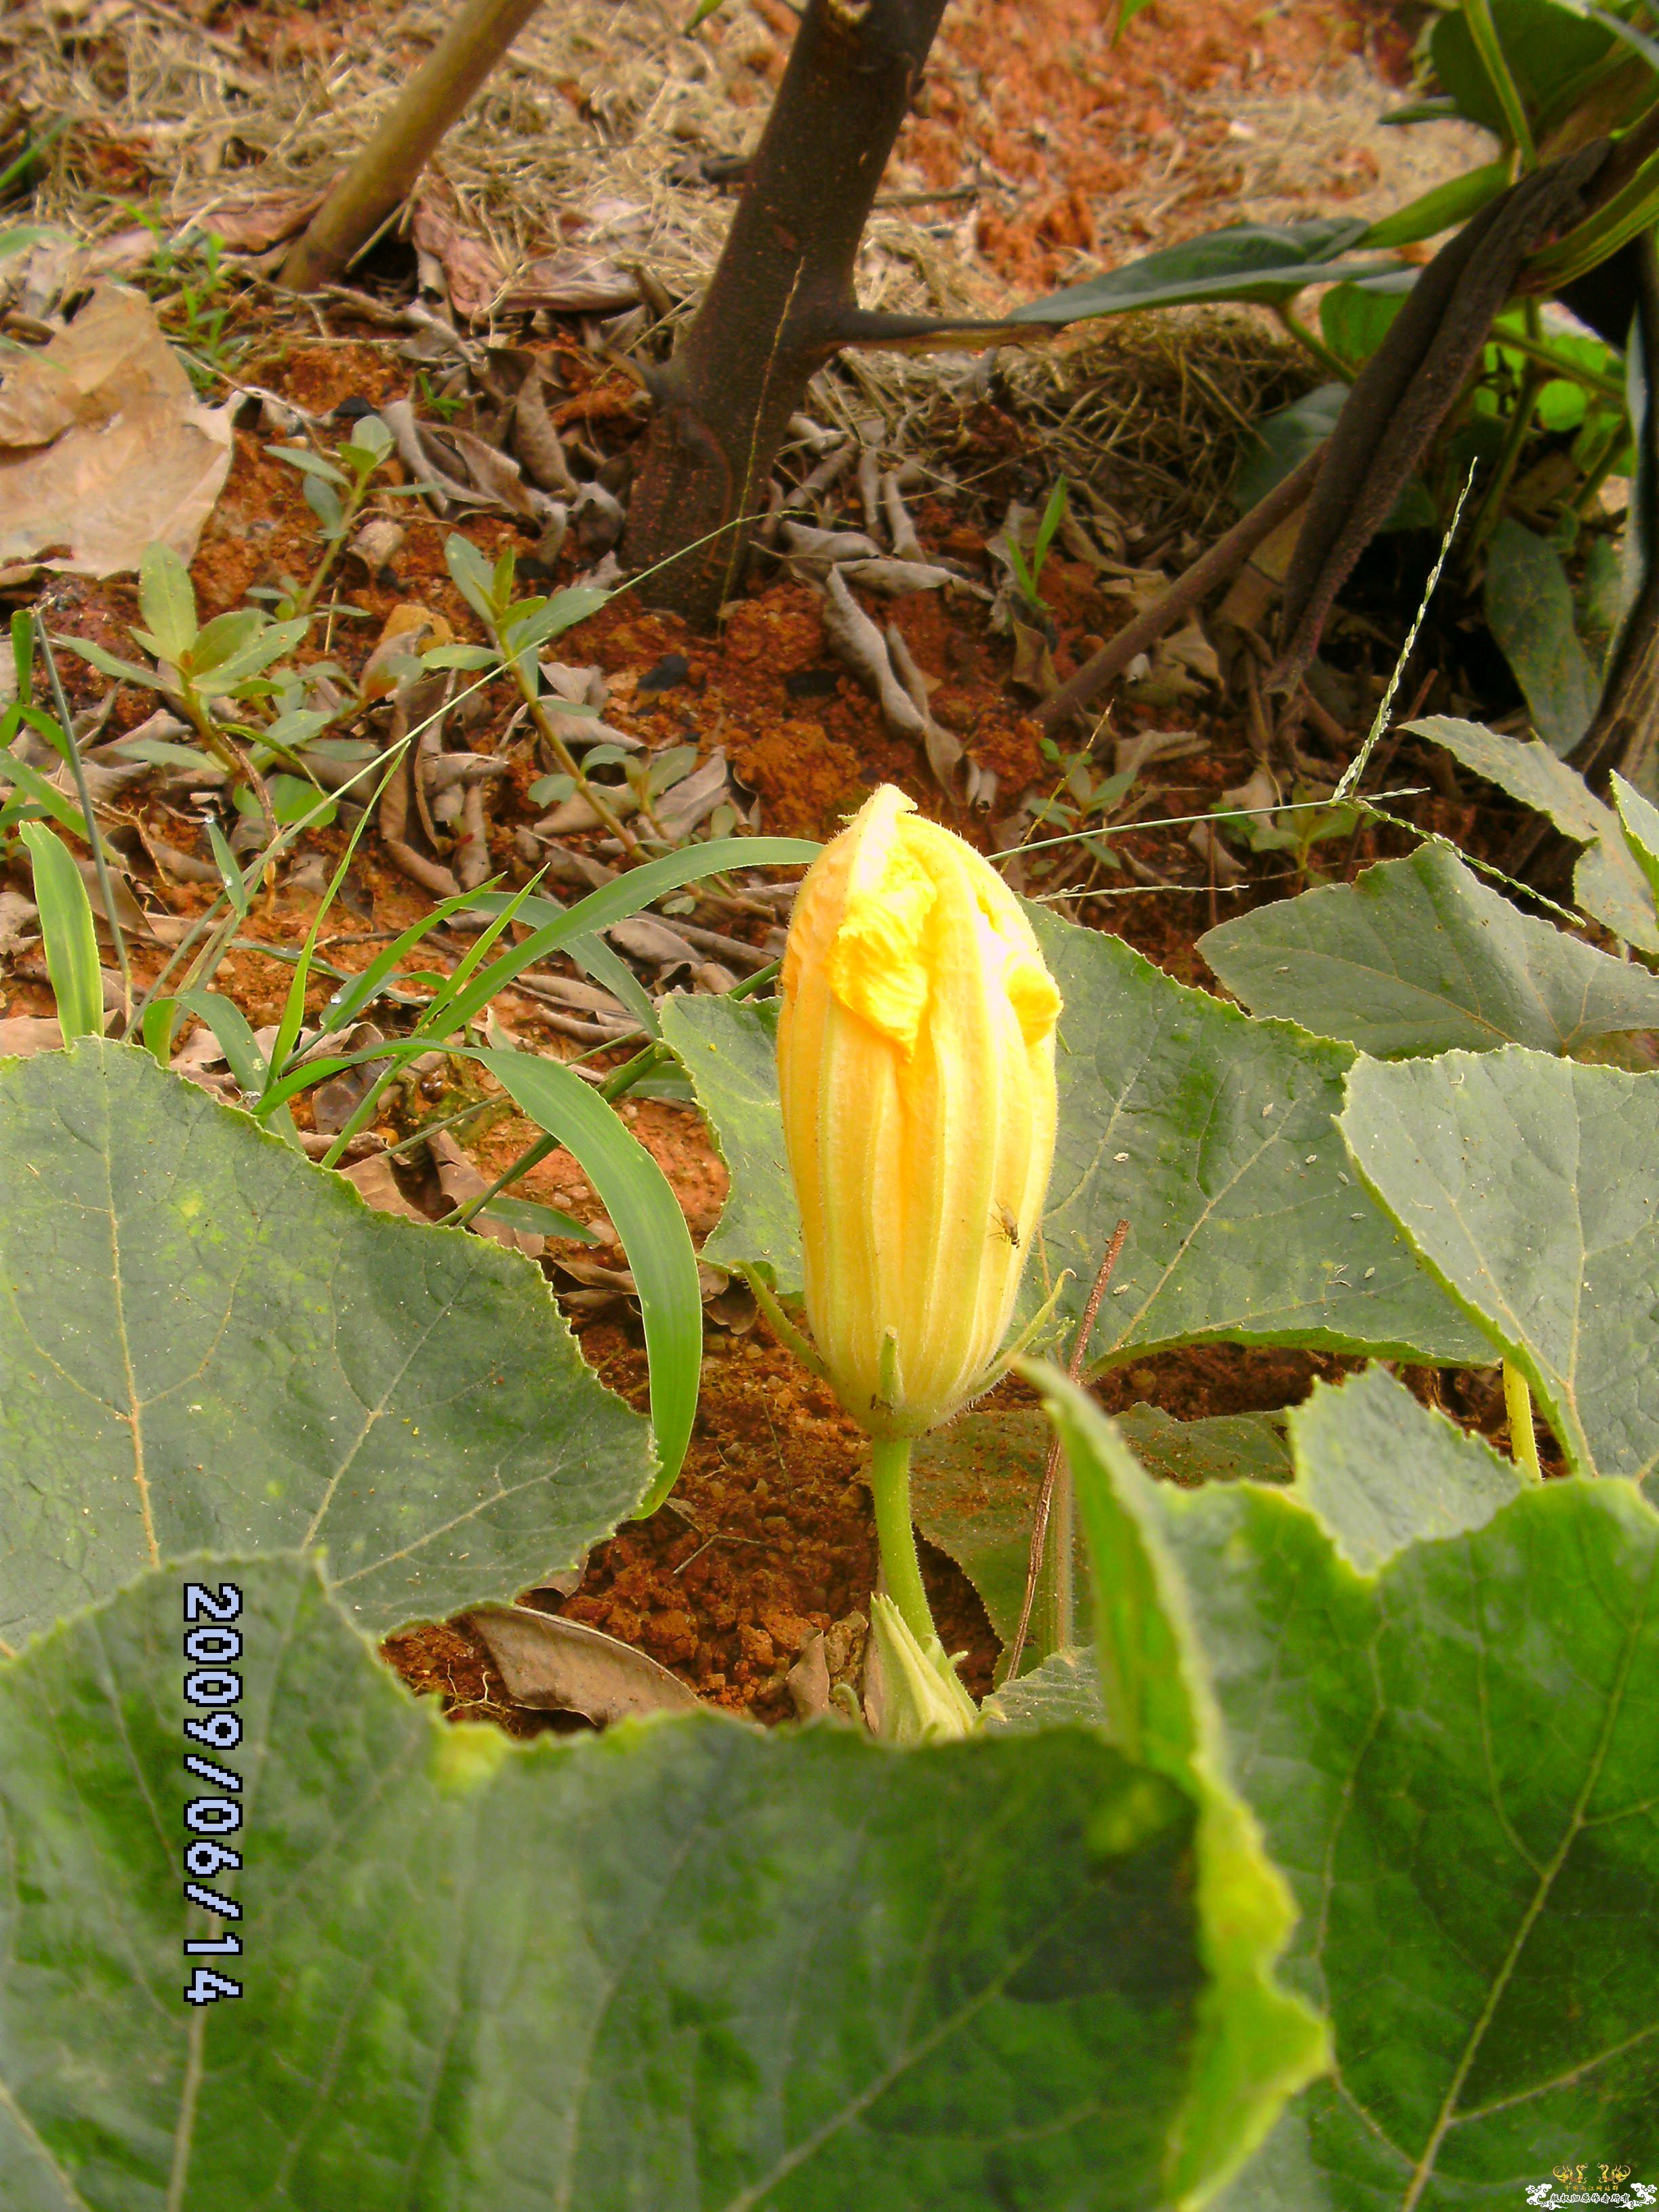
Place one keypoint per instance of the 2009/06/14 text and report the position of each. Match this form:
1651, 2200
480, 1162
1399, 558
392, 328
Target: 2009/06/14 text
213, 1689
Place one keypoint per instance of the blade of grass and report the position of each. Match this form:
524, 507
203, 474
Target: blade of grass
77, 770
637, 1197
628, 895
70, 936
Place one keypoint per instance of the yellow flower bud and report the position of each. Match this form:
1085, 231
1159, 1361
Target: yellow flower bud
916, 1069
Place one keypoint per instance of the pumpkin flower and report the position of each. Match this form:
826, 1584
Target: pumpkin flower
916, 1073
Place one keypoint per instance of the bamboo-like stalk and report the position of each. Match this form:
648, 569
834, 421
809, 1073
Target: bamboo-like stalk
381, 176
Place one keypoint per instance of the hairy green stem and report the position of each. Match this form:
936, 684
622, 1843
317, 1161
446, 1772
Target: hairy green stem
1296, 328
889, 1486
1523, 1437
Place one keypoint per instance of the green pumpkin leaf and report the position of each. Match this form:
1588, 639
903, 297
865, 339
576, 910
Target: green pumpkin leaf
1256, 2043
1419, 956
206, 1340
689, 1966
1530, 1186
1452, 1759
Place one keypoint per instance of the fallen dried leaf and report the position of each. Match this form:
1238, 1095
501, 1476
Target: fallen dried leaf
472, 273
564, 1666
377, 1185
104, 447
21, 1035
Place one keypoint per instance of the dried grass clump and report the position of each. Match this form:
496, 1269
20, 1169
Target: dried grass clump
596, 127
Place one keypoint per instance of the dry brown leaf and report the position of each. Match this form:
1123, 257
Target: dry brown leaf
21, 1035
564, 1665
20, 922
473, 274
254, 225
104, 447
377, 1185
461, 1183
569, 283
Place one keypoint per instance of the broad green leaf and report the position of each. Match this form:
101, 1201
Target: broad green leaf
69, 934
320, 496
974, 1486
1382, 1472
1212, 1135
233, 1034
257, 654
685, 1966
1606, 882
309, 464
1547, 50
1355, 318
1419, 956
1222, 1448
1443, 207
107, 664
166, 600
1281, 441
729, 1049
562, 612
1639, 818
1256, 2042
1453, 1760
41, 792
473, 577
1254, 261
638, 1199
1064, 1692
1530, 1186
205, 1340
1529, 612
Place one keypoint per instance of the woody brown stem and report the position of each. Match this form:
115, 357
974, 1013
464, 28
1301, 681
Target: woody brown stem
780, 301
383, 174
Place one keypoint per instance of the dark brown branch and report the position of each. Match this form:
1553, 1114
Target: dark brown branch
1407, 387
780, 301
1625, 728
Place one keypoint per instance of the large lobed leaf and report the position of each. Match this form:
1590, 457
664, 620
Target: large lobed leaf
1213, 1133
1530, 1186
206, 1341
1606, 882
1452, 1759
685, 1966
1419, 956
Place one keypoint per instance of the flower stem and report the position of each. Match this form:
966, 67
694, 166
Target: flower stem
889, 1486
1523, 1437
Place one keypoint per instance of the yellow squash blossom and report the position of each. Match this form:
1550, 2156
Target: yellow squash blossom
916, 1069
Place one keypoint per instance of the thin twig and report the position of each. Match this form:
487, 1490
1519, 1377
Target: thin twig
1223, 561
1051, 1469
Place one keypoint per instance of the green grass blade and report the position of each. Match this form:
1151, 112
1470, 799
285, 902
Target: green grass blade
591, 954
635, 1194
628, 895
70, 934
